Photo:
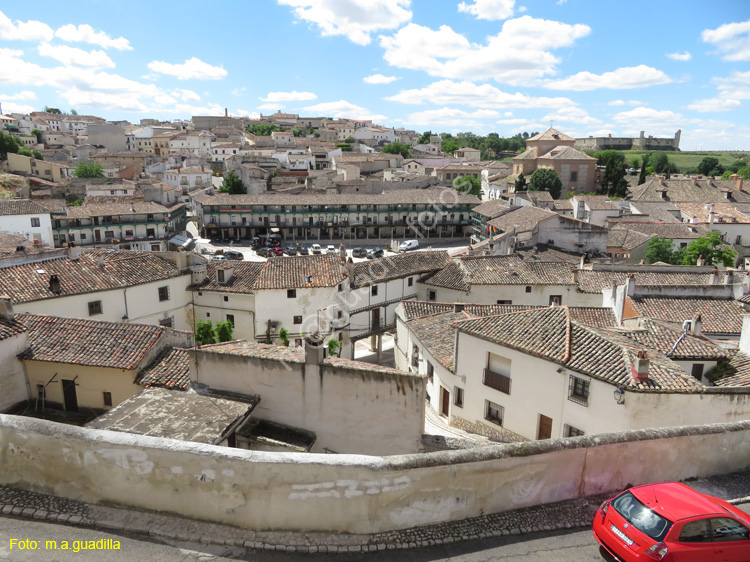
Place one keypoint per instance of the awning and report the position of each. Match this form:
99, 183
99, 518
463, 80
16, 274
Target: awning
181, 241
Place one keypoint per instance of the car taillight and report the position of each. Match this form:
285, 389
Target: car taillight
603, 509
657, 551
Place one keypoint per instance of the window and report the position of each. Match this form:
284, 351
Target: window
698, 370
298, 319
410, 282
291, 293
220, 275
35, 222
230, 318
458, 397
41, 392
493, 412
107, 398
226, 298
374, 290
431, 295
341, 287
208, 315
570, 431
727, 529
164, 293
578, 390
504, 302
83, 236
695, 531
166, 322
430, 369
95, 307
528, 289
573, 176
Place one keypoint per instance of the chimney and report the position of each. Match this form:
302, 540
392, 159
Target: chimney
711, 215
662, 181
342, 252
639, 369
54, 284
100, 261
314, 349
198, 274
700, 262
729, 279
697, 325
582, 261
630, 285
6, 308
738, 185
713, 279
226, 112
458, 307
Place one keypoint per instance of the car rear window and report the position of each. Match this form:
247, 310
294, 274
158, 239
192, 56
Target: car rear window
641, 517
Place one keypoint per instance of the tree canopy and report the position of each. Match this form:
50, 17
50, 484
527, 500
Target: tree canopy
614, 183
709, 246
232, 184
204, 332
224, 331
263, 130
521, 182
546, 179
662, 165
8, 143
398, 148
644, 169
468, 185
659, 248
88, 170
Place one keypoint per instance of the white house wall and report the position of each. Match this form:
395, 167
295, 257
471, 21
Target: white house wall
490, 294
21, 224
12, 376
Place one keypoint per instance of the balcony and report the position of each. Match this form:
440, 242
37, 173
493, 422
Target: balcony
497, 381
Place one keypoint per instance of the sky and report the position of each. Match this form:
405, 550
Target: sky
587, 68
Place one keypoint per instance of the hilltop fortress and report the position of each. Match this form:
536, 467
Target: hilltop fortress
640, 143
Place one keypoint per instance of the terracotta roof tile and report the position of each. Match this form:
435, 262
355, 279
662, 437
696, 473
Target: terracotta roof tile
325, 270
590, 281
673, 342
684, 190
10, 328
719, 316
398, 266
21, 207
171, 369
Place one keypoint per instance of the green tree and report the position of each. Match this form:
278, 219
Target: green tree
659, 248
232, 184
644, 169
744, 172
398, 148
263, 130
37, 154
707, 165
88, 170
521, 182
8, 143
449, 145
38, 134
73, 112
662, 165
224, 331
425, 138
546, 179
468, 185
713, 250
298, 131
52, 110
284, 336
333, 347
204, 332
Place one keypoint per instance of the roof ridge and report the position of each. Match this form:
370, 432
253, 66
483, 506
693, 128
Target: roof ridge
568, 335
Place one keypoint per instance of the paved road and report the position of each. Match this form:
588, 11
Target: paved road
558, 546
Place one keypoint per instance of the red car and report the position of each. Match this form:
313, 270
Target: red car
276, 251
674, 523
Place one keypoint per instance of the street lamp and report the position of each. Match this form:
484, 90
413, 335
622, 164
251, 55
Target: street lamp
620, 396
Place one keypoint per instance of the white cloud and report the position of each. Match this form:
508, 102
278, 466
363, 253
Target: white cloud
469, 94
732, 40
355, 19
379, 79
273, 97
714, 104
87, 34
451, 117
24, 95
187, 95
192, 68
12, 107
686, 56
71, 56
621, 79
343, 110
239, 91
626, 102
488, 9
24, 31
736, 86
658, 122
271, 106
250, 114
507, 57
571, 115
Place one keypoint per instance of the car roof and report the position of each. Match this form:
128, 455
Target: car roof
676, 501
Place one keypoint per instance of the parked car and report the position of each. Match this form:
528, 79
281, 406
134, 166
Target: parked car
218, 257
375, 253
304, 250
359, 253
290, 250
671, 522
255, 243
263, 252
234, 255
276, 251
331, 249
316, 249
407, 245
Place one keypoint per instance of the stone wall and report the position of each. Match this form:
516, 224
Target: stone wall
352, 493
623, 143
500, 434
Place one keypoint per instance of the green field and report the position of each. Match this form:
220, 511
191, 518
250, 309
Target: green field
687, 160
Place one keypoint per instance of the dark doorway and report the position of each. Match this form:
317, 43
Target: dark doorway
445, 401
545, 427
69, 395
375, 319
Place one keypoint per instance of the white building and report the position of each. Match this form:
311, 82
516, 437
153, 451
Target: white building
25, 217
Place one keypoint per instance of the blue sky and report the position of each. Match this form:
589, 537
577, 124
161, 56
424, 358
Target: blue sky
587, 68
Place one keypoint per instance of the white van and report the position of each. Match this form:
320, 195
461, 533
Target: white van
408, 245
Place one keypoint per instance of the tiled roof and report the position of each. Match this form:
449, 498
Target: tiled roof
438, 335
187, 416
736, 371
723, 213
365, 157
30, 281
522, 219
597, 202
171, 369
551, 334
668, 230
396, 267
674, 343
545, 253
120, 208
595, 281
566, 153
291, 272
245, 275
10, 328
655, 210
94, 343
529, 154
719, 316
322, 197
550, 134
492, 209
20, 207
621, 237
683, 190
563, 204
10, 242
